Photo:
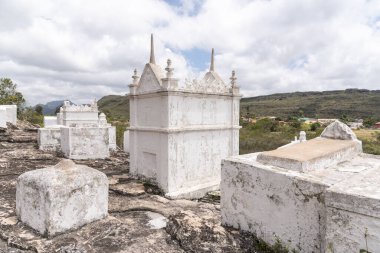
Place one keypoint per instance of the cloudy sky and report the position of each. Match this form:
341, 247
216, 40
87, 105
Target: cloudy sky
81, 49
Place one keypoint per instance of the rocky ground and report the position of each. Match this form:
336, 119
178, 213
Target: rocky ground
140, 218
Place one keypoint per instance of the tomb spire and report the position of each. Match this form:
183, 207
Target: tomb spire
152, 59
212, 60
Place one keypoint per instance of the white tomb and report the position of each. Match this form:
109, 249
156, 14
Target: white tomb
61, 198
8, 113
80, 115
86, 141
179, 135
320, 195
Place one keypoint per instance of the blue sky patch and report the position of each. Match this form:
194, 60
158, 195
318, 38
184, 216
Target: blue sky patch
197, 58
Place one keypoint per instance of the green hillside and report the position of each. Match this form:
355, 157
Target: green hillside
115, 107
353, 103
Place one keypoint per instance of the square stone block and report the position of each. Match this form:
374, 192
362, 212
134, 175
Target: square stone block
85, 142
61, 198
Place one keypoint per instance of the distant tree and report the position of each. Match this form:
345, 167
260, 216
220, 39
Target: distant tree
369, 122
9, 93
315, 126
301, 114
38, 109
295, 124
31, 115
344, 118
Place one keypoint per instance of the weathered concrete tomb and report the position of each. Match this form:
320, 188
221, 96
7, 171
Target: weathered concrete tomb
8, 113
320, 195
60, 198
179, 134
79, 132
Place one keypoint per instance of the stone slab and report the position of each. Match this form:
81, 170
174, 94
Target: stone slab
60, 198
311, 155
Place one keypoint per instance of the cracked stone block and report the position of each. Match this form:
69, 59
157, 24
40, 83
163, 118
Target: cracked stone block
61, 198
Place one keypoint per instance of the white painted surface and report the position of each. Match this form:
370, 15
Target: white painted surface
112, 137
353, 221
126, 141
178, 136
85, 142
56, 199
49, 139
3, 117
272, 203
8, 113
50, 121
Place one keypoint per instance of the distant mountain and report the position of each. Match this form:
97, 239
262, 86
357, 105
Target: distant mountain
50, 107
353, 103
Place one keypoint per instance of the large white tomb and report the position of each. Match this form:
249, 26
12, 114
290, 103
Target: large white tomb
320, 195
179, 135
8, 113
60, 198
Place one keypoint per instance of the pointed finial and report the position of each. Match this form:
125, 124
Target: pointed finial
212, 60
135, 77
169, 69
233, 79
152, 58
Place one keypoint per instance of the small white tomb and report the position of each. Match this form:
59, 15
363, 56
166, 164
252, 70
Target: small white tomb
320, 195
8, 113
178, 135
61, 198
80, 143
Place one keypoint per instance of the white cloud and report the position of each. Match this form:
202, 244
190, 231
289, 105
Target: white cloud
84, 49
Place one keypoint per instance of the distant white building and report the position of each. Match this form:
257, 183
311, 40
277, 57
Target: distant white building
179, 135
